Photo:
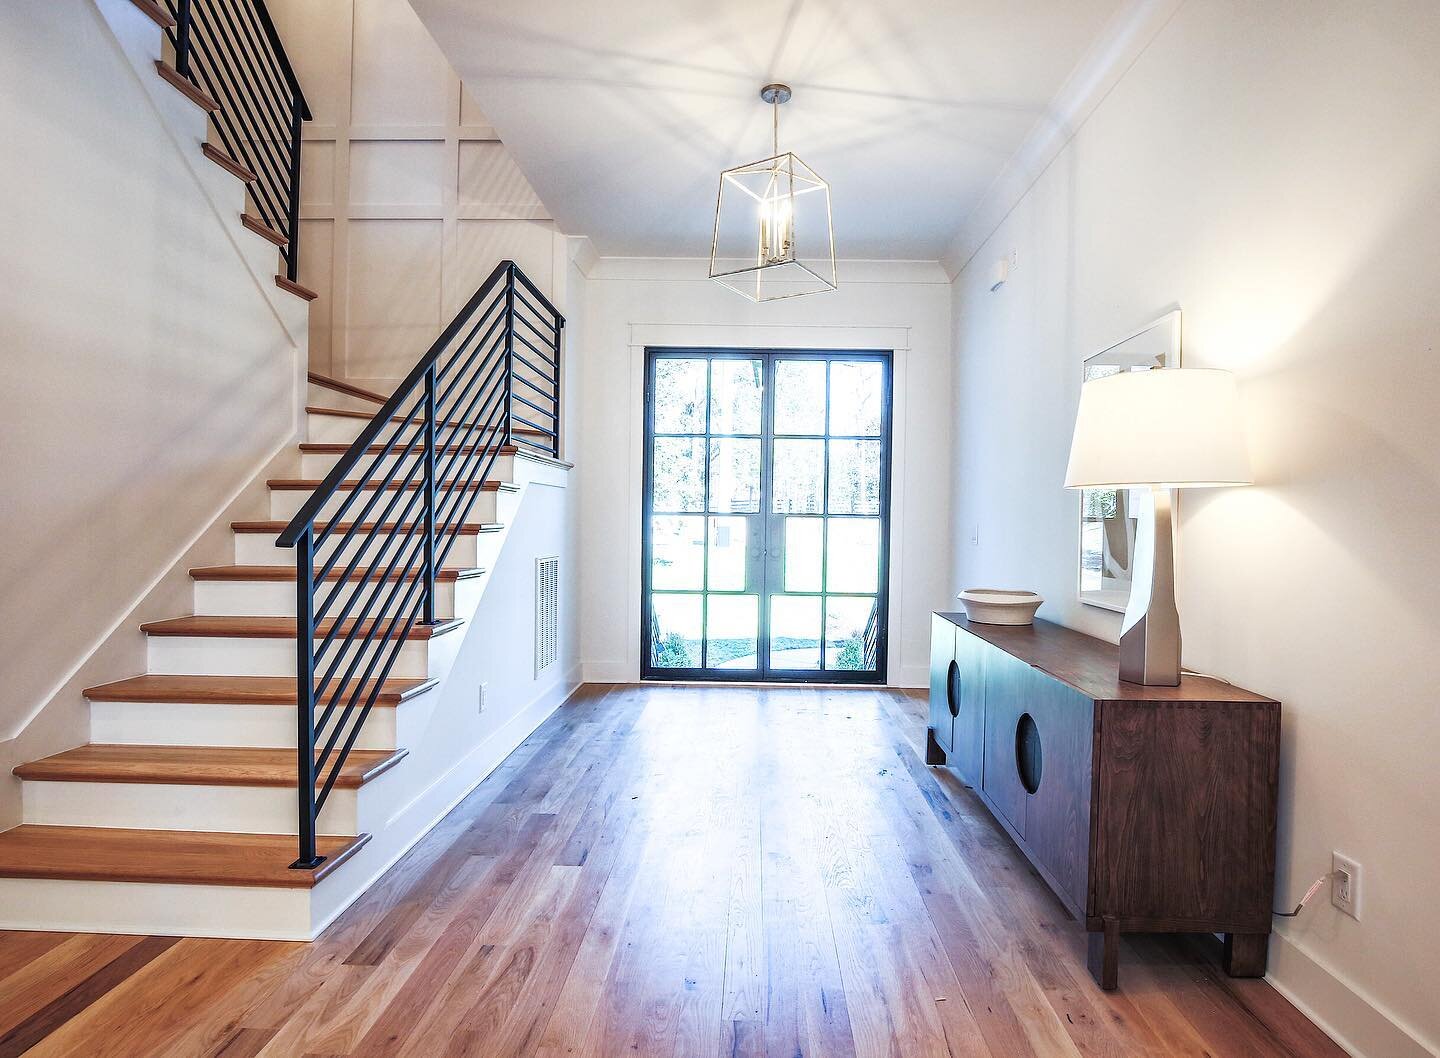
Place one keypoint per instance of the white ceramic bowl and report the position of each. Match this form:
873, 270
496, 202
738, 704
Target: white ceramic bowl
997, 606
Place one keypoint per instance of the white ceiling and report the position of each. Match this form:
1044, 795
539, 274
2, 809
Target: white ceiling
623, 114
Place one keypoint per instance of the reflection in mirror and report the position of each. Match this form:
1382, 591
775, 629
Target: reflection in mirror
1107, 524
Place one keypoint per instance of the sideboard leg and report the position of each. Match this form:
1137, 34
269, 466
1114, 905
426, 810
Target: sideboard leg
933, 753
1245, 954
1104, 955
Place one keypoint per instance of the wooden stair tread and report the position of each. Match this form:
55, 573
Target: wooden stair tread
234, 690
274, 627
287, 573
187, 857
260, 228
229, 164
289, 285
346, 413
155, 13
311, 484
277, 527
197, 766
184, 87
348, 388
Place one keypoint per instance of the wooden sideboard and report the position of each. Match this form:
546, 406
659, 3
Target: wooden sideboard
1146, 809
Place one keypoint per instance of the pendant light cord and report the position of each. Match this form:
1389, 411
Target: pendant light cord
775, 127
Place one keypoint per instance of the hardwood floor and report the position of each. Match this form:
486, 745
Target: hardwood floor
671, 871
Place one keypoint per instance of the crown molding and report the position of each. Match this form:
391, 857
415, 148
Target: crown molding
1122, 41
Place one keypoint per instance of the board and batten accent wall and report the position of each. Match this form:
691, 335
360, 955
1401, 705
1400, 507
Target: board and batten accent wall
408, 197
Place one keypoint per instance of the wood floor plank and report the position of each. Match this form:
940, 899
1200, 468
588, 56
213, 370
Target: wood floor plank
680, 872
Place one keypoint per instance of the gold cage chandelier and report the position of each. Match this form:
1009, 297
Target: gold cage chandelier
773, 234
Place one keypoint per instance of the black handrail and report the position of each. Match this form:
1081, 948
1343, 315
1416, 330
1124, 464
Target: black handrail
231, 51
435, 440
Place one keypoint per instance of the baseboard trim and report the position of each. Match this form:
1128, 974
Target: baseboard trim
523, 724
1352, 1020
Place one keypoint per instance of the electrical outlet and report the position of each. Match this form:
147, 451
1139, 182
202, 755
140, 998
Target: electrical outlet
1345, 884
484, 687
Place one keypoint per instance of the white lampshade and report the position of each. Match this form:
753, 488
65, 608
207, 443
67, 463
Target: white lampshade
1178, 428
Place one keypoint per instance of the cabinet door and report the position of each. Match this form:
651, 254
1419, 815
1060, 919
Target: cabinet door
1057, 814
967, 705
942, 655
1005, 706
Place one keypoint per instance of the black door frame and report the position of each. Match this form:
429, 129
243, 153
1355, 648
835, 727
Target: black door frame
878, 676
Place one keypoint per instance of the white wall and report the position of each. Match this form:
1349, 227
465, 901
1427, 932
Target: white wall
147, 375
634, 303
408, 197
1275, 170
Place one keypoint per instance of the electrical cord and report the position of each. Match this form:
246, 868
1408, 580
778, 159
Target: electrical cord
1314, 888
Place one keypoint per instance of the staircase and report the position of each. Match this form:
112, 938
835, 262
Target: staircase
253, 781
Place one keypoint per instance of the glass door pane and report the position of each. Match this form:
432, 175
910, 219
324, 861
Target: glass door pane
766, 512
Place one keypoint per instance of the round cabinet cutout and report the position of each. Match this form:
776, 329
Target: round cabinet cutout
1029, 760
953, 689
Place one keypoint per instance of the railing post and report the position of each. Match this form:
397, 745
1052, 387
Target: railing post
305, 697
509, 355
429, 572
292, 207
559, 341
182, 38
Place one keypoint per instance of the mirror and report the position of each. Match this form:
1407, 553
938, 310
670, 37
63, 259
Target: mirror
1107, 526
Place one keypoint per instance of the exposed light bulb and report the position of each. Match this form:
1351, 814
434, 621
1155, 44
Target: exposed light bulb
777, 229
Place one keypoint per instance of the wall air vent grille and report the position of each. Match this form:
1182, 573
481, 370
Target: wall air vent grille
547, 612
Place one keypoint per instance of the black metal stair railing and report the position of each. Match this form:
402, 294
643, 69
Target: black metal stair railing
372, 537
230, 50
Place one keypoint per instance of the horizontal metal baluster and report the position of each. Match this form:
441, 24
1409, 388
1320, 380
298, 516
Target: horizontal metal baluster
226, 52
533, 426
545, 335
531, 404
364, 515
485, 345
458, 480
544, 354
375, 587
251, 38
521, 297
365, 477
387, 640
387, 542
456, 418
227, 88
539, 392
543, 372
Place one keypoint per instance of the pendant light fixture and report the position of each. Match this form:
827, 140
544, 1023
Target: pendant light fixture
773, 236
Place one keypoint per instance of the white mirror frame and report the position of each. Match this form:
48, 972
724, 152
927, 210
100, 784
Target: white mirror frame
1154, 346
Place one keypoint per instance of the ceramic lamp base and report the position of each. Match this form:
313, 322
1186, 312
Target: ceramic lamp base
1150, 633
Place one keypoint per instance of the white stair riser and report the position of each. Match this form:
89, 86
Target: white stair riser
231, 598
324, 397
157, 908
318, 464
343, 429
158, 806
228, 724
286, 503
260, 549
245, 656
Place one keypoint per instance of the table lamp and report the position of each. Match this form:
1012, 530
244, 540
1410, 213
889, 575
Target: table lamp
1155, 431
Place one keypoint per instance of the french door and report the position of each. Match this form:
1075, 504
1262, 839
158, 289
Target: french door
766, 515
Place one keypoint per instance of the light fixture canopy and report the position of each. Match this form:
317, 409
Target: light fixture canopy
773, 234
